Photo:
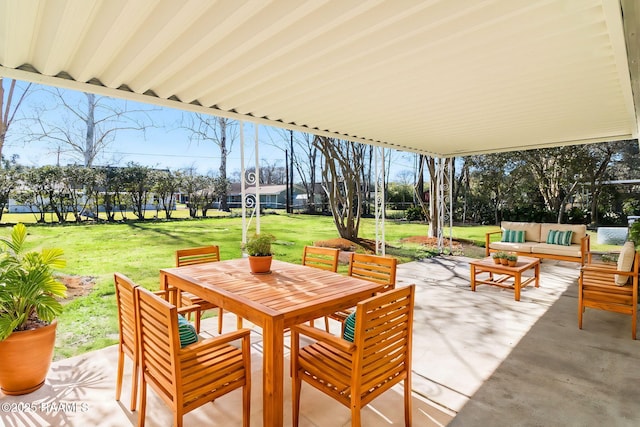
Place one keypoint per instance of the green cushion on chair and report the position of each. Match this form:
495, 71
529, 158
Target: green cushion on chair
349, 327
187, 332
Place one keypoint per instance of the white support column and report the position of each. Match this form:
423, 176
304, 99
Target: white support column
379, 200
450, 163
444, 170
440, 201
243, 184
248, 199
257, 180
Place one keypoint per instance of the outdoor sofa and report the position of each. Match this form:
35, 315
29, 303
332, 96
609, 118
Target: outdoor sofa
566, 242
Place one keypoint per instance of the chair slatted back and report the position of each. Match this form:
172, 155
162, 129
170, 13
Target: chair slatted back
187, 378
374, 268
127, 330
159, 342
126, 314
378, 359
198, 255
321, 257
193, 256
383, 338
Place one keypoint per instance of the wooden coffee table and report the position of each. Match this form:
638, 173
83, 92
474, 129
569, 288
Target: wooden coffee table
505, 276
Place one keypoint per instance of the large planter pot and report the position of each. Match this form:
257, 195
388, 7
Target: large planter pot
260, 264
25, 358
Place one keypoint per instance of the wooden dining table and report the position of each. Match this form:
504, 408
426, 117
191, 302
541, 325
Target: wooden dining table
290, 294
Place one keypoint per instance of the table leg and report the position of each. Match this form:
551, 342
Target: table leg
517, 281
273, 372
537, 273
173, 297
473, 278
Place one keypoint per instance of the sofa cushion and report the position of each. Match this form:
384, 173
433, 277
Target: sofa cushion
557, 237
512, 247
579, 231
531, 229
513, 236
625, 262
551, 249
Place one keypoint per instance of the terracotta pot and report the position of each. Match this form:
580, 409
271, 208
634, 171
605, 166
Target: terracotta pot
25, 358
512, 263
503, 261
497, 260
260, 264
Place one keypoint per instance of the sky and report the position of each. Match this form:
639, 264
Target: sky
166, 145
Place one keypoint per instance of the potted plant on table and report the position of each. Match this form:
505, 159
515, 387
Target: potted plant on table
28, 309
512, 260
497, 257
258, 248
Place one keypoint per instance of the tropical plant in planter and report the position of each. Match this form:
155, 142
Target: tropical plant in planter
28, 309
258, 248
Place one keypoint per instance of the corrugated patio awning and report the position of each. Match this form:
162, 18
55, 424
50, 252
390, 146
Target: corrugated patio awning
440, 77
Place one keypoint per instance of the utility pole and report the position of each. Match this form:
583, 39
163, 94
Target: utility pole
291, 170
286, 174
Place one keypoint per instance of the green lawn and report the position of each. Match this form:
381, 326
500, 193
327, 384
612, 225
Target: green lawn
141, 249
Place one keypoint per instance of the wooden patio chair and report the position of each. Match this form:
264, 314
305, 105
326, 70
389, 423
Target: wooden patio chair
127, 331
374, 268
323, 258
611, 287
128, 343
193, 256
355, 373
187, 378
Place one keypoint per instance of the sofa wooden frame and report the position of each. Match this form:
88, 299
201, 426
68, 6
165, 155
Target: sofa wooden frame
585, 247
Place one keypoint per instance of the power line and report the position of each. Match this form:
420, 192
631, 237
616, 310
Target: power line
162, 155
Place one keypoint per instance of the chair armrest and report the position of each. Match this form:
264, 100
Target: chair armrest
172, 293
188, 308
217, 341
487, 241
169, 294
585, 248
590, 255
604, 268
325, 337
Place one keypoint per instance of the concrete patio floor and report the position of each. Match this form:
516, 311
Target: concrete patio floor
480, 359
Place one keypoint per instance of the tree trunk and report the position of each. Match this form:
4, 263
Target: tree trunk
91, 125
343, 163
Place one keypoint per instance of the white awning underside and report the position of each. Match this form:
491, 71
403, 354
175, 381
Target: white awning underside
441, 77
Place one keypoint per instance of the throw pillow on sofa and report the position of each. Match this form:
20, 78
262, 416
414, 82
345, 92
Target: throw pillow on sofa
513, 236
557, 237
